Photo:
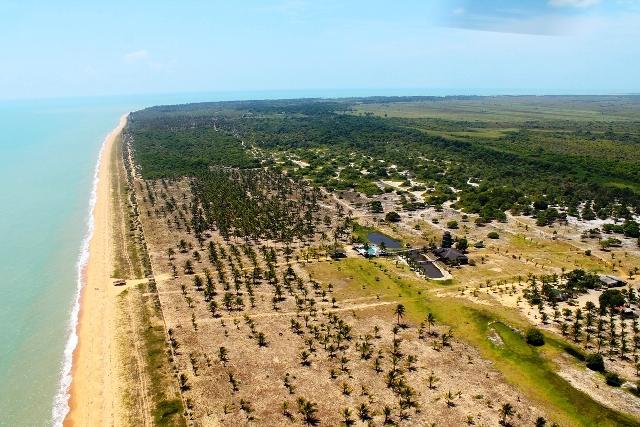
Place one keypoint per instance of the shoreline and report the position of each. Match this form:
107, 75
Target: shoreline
85, 391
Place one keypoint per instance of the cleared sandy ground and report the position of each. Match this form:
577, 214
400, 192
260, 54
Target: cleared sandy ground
93, 399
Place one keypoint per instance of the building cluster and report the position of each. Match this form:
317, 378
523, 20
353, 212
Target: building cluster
447, 254
369, 250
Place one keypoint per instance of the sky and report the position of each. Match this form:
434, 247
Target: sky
89, 48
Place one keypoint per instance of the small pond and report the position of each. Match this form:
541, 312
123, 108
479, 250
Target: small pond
377, 238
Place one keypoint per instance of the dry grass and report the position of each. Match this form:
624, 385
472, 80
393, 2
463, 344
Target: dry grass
364, 301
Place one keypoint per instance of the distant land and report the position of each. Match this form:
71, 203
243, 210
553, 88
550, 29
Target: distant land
388, 260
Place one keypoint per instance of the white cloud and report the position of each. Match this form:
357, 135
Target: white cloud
458, 11
573, 3
137, 55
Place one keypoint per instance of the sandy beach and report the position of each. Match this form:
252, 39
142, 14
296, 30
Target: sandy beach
93, 386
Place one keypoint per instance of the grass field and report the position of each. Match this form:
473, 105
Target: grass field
512, 109
531, 370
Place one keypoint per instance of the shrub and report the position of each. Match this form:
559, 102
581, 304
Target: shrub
376, 206
631, 229
462, 244
611, 298
540, 205
452, 224
613, 379
493, 235
575, 352
595, 362
392, 216
534, 337
166, 409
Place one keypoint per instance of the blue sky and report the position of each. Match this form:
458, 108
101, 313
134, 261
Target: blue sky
81, 48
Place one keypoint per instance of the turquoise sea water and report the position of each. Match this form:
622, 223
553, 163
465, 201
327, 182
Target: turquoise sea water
48, 154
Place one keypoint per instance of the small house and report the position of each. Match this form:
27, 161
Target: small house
451, 256
611, 281
557, 295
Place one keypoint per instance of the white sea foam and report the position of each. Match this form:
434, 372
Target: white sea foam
61, 400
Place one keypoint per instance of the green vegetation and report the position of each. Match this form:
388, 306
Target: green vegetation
611, 298
250, 164
167, 152
168, 408
392, 216
530, 368
253, 203
613, 379
595, 362
520, 157
127, 253
534, 337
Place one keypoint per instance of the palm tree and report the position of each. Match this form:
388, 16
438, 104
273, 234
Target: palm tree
363, 413
188, 267
223, 355
305, 358
505, 412
184, 385
541, 422
213, 307
399, 311
262, 340
377, 365
233, 381
343, 364
432, 380
449, 399
346, 389
387, 411
285, 410
228, 301
431, 321
347, 420
309, 411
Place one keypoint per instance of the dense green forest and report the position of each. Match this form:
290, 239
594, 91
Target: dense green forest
486, 154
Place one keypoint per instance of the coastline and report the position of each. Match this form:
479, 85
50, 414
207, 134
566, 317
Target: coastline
87, 383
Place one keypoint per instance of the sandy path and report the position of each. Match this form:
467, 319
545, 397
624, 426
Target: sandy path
94, 385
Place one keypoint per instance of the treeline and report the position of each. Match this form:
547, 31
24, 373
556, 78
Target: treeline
553, 162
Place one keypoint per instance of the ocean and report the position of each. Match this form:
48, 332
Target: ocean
48, 152
48, 155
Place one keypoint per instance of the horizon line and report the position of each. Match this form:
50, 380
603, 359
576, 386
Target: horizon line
370, 92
